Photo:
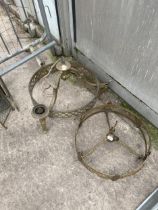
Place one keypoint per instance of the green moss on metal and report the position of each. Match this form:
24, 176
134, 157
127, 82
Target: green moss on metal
71, 78
153, 131
154, 134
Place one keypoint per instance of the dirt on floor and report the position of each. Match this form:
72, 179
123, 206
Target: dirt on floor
41, 171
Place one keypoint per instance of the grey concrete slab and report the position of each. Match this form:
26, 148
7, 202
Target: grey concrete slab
41, 171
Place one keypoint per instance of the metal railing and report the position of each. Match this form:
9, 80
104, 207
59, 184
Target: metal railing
10, 48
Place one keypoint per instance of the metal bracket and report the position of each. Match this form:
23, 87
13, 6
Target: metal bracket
27, 58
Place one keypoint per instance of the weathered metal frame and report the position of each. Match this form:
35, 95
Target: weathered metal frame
89, 81
140, 106
122, 112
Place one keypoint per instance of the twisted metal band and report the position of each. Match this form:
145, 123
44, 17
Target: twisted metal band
84, 77
137, 121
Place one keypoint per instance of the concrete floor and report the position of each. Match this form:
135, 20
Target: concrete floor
41, 171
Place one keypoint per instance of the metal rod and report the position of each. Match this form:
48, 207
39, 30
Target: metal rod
4, 87
39, 61
6, 9
4, 43
43, 124
9, 96
25, 48
45, 21
48, 10
21, 1
63, 12
35, 11
27, 58
22, 4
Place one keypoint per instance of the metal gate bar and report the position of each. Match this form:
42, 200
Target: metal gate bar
27, 58
4, 44
7, 12
33, 54
8, 30
21, 1
33, 44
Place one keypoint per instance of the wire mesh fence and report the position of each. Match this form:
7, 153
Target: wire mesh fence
9, 39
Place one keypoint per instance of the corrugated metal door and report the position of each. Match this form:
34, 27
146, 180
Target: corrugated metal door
121, 36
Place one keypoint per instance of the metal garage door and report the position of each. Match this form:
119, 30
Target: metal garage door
121, 36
